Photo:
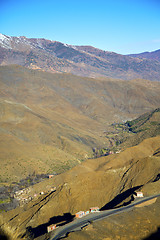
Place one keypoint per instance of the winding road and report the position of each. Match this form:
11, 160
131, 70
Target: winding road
78, 224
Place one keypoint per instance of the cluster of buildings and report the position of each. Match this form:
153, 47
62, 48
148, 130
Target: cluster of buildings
78, 215
25, 195
83, 213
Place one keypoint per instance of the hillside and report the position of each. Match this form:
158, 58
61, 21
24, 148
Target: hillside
53, 121
147, 125
142, 223
115, 179
87, 61
131, 133
155, 55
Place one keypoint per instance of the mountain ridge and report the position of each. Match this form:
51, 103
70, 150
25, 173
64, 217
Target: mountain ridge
54, 56
155, 55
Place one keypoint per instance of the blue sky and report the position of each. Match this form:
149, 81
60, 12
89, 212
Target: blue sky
120, 26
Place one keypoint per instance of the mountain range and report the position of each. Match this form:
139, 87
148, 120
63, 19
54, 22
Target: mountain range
91, 120
87, 61
155, 55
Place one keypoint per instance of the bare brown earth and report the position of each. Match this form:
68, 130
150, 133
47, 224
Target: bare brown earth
95, 182
149, 202
51, 122
142, 223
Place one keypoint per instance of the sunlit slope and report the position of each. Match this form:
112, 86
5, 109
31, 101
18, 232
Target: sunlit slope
142, 223
103, 100
93, 183
50, 122
33, 142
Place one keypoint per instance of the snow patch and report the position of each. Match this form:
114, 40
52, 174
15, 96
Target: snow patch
66, 45
5, 41
74, 47
69, 46
2, 37
39, 43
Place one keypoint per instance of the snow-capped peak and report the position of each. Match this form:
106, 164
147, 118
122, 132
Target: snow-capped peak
5, 41
14, 42
4, 37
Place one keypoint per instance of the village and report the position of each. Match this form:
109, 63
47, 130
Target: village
19, 193
25, 195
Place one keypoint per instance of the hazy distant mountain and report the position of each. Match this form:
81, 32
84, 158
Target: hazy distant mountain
150, 55
88, 61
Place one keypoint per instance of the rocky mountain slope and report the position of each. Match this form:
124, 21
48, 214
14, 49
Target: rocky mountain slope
53, 121
155, 55
105, 182
87, 61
